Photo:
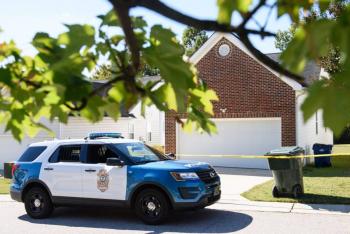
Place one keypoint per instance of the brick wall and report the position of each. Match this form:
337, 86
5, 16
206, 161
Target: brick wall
246, 90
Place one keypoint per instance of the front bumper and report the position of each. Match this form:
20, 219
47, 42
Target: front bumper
16, 194
204, 201
212, 193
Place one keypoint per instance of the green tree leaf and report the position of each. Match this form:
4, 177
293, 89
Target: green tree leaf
109, 19
77, 37
166, 53
226, 8
94, 111
330, 96
6, 76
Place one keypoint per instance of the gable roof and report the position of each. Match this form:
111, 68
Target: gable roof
312, 70
217, 36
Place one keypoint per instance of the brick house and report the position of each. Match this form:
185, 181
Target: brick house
258, 109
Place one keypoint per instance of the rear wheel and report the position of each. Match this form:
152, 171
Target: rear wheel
37, 203
152, 206
297, 191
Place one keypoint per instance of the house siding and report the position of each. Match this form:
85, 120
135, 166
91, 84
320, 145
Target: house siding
154, 121
311, 131
246, 89
11, 149
78, 127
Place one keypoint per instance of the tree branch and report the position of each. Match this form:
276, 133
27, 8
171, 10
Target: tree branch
106, 85
208, 25
250, 14
84, 101
31, 83
74, 107
122, 9
269, 14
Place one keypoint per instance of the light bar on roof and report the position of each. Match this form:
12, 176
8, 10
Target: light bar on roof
96, 135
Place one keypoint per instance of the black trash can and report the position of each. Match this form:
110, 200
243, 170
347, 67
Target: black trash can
322, 149
287, 173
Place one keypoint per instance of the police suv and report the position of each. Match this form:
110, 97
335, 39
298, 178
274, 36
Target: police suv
105, 169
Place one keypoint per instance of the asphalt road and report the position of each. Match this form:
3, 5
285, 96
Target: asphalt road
13, 219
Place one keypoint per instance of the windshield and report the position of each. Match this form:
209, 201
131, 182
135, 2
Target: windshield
139, 153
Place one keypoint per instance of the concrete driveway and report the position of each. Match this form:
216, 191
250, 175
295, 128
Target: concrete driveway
237, 180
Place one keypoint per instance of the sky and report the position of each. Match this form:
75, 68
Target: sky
21, 19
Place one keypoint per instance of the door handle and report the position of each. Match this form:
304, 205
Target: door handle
90, 170
48, 169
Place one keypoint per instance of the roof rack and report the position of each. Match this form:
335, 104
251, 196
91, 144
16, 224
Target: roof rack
99, 135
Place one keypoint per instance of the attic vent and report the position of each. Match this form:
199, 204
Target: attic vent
224, 50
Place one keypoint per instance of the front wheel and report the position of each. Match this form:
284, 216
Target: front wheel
152, 206
198, 208
37, 203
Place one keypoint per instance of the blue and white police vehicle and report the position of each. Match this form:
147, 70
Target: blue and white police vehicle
106, 169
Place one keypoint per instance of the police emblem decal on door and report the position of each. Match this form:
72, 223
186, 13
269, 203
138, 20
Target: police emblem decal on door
102, 180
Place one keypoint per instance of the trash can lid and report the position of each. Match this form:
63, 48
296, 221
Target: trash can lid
317, 146
290, 150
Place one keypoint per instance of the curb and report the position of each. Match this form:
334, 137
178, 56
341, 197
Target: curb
5, 198
297, 208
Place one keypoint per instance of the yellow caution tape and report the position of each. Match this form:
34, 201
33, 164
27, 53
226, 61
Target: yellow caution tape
262, 156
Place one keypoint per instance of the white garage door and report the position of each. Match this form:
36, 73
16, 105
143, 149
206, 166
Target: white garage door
235, 136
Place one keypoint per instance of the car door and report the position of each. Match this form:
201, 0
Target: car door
63, 171
99, 180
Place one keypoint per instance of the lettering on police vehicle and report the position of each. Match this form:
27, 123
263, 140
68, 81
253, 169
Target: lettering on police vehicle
102, 180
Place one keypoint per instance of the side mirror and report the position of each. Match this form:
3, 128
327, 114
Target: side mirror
171, 156
115, 162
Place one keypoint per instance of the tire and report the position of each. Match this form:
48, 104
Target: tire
297, 191
152, 206
275, 192
37, 203
199, 208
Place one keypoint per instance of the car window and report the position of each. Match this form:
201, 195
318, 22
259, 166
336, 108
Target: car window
69, 154
138, 152
99, 154
31, 153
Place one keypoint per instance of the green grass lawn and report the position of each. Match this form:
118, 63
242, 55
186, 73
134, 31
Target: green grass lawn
322, 185
341, 162
4, 186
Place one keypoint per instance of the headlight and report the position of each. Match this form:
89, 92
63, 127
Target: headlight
182, 176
